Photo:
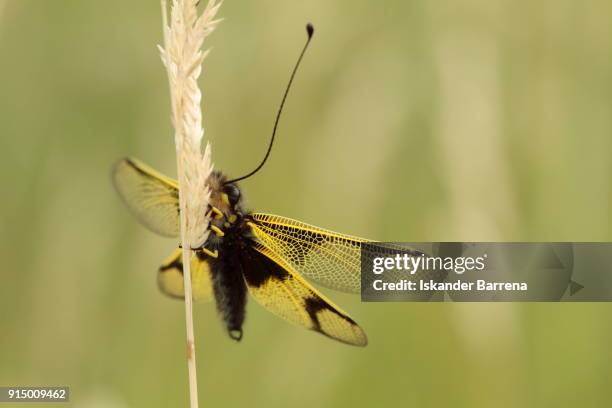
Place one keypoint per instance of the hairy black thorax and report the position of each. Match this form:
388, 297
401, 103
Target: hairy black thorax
229, 286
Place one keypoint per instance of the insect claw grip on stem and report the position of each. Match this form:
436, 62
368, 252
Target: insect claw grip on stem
212, 254
217, 230
217, 212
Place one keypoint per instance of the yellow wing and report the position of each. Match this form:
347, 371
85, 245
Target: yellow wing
276, 286
150, 196
328, 258
170, 276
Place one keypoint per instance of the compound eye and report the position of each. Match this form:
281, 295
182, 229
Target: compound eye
233, 193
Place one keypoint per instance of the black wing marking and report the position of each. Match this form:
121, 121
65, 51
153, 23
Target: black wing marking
170, 276
276, 286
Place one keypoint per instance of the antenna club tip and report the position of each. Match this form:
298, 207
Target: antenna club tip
309, 29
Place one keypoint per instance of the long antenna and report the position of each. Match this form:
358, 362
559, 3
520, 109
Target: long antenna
309, 31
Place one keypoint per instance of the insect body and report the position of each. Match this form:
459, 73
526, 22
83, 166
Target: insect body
254, 253
259, 254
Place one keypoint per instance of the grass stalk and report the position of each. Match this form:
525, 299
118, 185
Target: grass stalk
182, 55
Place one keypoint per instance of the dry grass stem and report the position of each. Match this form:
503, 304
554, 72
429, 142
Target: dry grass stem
182, 55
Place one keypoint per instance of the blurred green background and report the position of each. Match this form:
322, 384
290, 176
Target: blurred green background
409, 121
